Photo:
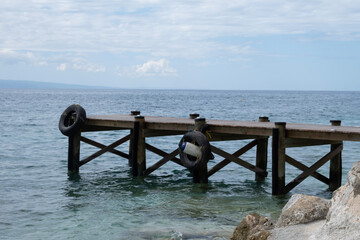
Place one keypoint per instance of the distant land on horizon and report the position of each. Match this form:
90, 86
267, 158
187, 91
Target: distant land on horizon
43, 85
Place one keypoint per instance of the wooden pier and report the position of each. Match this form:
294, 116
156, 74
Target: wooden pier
284, 135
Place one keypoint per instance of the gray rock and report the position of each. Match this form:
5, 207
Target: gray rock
253, 227
303, 209
343, 219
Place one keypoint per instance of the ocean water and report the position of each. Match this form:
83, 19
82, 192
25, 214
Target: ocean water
38, 200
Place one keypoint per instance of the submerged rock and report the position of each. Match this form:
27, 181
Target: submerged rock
303, 209
253, 227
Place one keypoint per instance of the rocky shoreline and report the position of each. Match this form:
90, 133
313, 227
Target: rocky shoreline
310, 218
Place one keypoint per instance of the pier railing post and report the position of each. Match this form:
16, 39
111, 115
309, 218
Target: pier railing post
261, 152
74, 153
138, 147
200, 175
278, 158
133, 113
335, 164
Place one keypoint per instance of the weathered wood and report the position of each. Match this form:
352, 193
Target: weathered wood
161, 162
278, 158
134, 149
302, 167
237, 154
105, 149
74, 153
140, 148
261, 152
298, 142
294, 130
99, 145
132, 113
238, 161
335, 163
311, 169
161, 153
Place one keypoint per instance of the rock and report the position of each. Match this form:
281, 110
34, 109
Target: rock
343, 218
253, 227
303, 209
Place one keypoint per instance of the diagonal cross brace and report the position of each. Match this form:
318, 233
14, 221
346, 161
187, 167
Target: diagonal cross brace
311, 169
161, 162
226, 161
99, 145
238, 161
105, 149
303, 167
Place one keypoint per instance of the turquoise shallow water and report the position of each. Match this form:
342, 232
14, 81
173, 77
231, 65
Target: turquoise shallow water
39, 201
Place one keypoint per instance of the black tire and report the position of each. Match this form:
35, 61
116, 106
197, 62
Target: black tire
200, 140
72, 119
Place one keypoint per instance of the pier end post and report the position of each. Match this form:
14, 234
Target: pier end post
200, 175
261, 152
278, 158
74, 153
193, 115
138, 156
335, 163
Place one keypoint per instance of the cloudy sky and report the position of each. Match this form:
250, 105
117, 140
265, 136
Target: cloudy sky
197, 44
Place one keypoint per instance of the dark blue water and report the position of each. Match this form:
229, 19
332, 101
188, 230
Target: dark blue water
39, 201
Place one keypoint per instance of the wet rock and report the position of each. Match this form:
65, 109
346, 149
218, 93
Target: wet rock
303, 209
253, 227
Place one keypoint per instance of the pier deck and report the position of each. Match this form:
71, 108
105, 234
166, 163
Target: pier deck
284, 135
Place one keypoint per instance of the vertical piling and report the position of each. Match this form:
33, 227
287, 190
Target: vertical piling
335, 163
138, 156
74, 153
133, 113
200, 175
261, 152
278, 158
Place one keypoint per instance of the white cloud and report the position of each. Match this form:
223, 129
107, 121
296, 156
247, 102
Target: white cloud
61, 67
160, 67
166, 28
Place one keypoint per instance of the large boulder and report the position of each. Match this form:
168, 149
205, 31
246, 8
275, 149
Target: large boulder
343, 218
253, 227
303, 209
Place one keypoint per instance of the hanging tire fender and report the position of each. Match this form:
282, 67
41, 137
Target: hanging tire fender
198, 139
72, 119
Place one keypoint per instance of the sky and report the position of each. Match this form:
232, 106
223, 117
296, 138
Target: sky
189, 44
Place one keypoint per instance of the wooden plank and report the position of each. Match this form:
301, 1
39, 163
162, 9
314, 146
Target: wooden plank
99, 145
161, 162
161, 153
302, 167
238, 161
226, 161
160, 133
104, 150
311, 169
299, 142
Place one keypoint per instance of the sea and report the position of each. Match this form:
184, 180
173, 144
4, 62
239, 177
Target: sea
39, 200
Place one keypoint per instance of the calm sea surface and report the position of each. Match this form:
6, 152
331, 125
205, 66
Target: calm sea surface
39, 201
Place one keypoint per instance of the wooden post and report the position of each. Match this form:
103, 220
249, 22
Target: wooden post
335, 163
138, 147
193, 115
200, 175
74, 153
261, 152
133, 113
278, 158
